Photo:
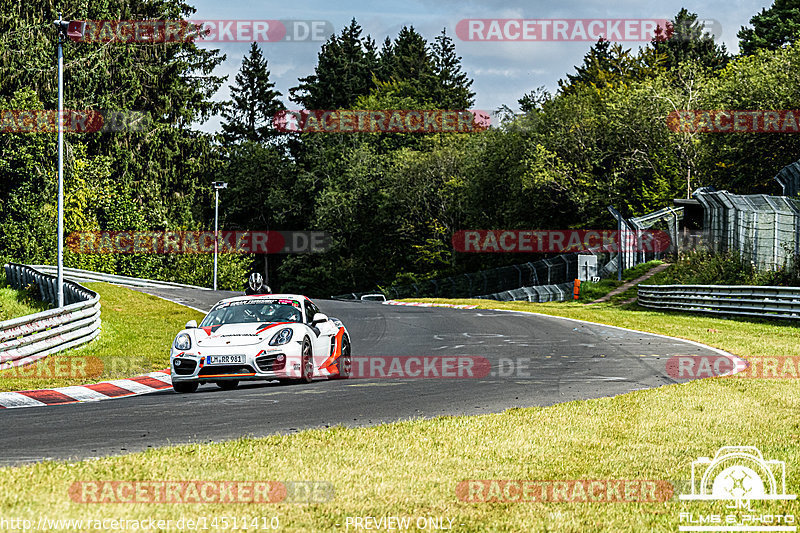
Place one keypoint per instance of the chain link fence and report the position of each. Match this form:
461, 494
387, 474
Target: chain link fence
541, 280
487, 283
632, 235
559, 269
763, 229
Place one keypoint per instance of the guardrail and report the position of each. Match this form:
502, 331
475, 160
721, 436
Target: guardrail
27, 339
77, 274
746, 300
537, 293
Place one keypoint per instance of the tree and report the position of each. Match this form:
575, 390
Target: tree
534, 99
254, 102
411, 60
747, 163
385, 60
772, 28
684, 39
345, 68
119, 180
454, 85
608, 64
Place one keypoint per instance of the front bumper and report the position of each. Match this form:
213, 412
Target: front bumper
274, 362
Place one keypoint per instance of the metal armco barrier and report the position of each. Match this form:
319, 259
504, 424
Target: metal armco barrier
538, 293
128, 281
746, 300
27, 339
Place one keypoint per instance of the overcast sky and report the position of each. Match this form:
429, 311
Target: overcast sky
503, 71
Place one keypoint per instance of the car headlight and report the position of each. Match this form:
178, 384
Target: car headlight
282, 337
183, 342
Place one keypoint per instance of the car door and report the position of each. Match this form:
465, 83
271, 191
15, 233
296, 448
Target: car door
323, 333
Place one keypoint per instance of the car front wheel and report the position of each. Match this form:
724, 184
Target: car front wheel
306, 364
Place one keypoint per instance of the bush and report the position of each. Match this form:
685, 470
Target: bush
729, 268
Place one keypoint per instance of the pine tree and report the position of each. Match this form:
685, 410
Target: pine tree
684, 39
411, 59
601, 63
454, 90
607, 64
345, 68
772, 28
248, 116
385, 61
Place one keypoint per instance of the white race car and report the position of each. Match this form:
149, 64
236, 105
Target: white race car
260, 337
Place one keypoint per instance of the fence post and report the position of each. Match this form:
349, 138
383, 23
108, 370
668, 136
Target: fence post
519, 271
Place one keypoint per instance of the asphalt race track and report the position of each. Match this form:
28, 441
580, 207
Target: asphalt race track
535, 360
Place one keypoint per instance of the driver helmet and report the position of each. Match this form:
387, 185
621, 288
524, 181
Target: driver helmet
255, 281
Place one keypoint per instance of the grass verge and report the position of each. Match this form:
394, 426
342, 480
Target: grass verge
591, 291
137, 330
411, 469
14, 303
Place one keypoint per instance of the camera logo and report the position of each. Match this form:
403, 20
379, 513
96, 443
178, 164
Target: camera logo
738, 473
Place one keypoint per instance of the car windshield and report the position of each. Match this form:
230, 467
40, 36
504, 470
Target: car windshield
253, 311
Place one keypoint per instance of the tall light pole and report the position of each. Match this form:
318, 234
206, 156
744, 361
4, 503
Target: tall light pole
72, 29
60, 24
217, 186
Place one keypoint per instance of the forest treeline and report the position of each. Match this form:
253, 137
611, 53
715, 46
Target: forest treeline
389, 201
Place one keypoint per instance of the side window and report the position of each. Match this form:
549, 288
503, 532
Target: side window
311, 310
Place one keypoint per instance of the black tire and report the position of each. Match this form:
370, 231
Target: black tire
183, 387
228, 384
345, 363
306, 364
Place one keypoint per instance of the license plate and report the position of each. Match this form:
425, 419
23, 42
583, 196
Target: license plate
224, 359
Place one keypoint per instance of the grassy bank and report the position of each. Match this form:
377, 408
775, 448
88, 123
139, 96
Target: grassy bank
411, 469
591, 291
14, 303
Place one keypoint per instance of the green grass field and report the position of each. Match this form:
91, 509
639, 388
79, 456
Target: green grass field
412, 468
15, 304
591, 291
137, 330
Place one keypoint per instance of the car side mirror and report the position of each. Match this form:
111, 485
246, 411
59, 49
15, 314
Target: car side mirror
318, 318
191, 324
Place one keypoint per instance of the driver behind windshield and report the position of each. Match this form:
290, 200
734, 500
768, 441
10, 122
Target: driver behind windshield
280, 313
